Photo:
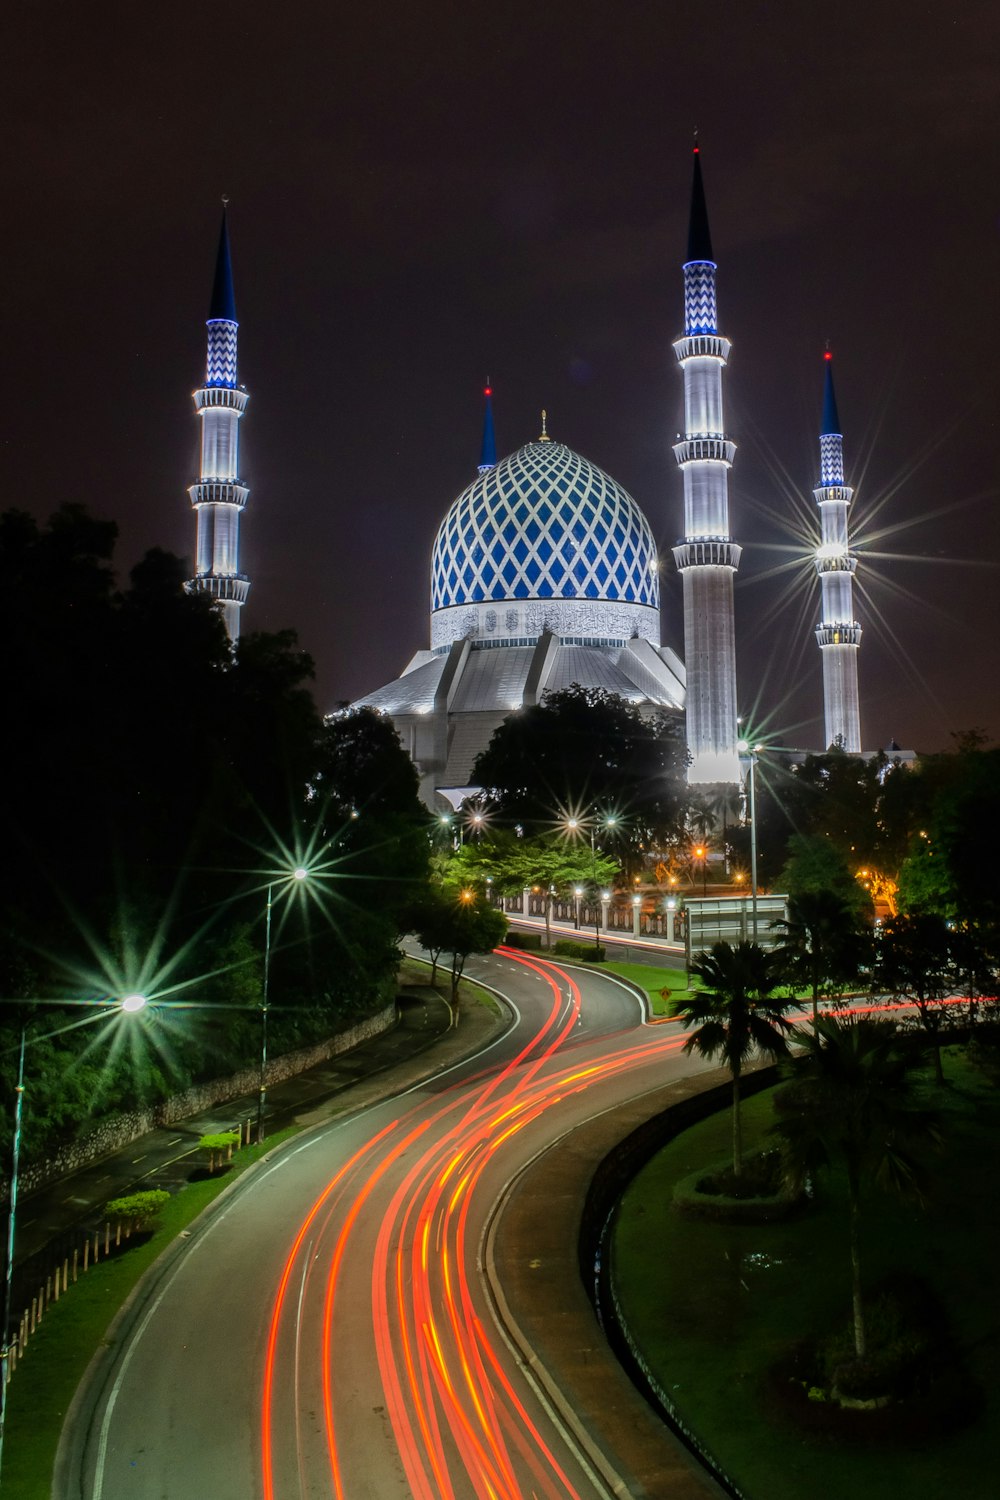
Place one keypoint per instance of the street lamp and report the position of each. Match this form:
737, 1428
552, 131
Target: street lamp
745, 748
701, 853
129, 1004
574, 825
299, 873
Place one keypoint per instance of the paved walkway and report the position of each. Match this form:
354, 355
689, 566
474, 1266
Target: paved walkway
166, 1158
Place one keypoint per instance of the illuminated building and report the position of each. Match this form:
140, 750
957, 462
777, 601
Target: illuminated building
543, 575
707, 557
838, 632
219, 496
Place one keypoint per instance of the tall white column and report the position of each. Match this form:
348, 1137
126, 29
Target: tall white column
838, 632
707, 558
219, 496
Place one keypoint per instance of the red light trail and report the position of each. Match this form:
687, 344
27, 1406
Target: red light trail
457, 1420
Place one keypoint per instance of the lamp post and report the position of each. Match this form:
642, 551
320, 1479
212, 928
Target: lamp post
129, 1005
574, 826
701, 853
746, 748
299, 873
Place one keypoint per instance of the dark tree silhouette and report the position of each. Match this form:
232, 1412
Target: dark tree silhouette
852, 1104
736, 1016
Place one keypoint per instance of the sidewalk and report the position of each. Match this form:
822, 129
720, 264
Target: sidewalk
166, 1158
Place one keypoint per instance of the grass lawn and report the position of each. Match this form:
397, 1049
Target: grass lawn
73, 1328
713, 1307
653, 981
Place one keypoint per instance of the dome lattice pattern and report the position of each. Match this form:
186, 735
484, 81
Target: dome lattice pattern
544, 524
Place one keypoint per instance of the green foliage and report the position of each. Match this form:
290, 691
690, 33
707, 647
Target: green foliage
221, 1141
139, 1209
460, 922
735, 1015
530, 942
587, 953
851, 1103
815, 866
825, 942
585, 749
206, 771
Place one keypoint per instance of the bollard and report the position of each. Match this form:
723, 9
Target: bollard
48, 1290
65, 1274
86, 1253
22, 1336
76, 1264
58, 1279
118, 1234
34, 1314
107, 1239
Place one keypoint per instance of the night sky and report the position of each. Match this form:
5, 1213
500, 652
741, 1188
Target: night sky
422, 195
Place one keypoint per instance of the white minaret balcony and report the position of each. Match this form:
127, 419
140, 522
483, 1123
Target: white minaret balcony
719, 553
702, 346
847, 634
695, 450
218, 492
232, 396
232, 590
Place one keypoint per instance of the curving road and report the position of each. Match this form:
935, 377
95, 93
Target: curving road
328, 1331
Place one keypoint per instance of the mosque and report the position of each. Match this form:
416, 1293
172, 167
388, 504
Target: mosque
544, 571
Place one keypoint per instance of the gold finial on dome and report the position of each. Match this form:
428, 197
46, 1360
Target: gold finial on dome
544, 438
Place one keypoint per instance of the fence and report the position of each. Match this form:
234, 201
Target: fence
42, 1279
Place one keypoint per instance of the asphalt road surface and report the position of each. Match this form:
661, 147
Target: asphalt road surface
329, 1331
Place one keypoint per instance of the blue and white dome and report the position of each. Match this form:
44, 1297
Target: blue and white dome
544, 541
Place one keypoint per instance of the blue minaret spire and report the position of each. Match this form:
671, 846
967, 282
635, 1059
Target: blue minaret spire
707, 558
488, 452
838, 632
219, 496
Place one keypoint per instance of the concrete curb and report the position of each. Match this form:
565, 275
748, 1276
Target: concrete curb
543, 1308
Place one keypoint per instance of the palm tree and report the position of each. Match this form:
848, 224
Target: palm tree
822, 943
736, 1016
853, 1104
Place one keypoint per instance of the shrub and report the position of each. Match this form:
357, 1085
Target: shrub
528, 941
587, 953
215, 1145
758, 1195
137, 1209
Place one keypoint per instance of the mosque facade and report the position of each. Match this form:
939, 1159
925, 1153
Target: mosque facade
545, 572
545, 575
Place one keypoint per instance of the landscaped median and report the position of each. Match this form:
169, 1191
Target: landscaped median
729, 1319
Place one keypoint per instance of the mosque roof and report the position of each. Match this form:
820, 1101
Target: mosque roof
223, 305
546, 525
699, 235
831, 418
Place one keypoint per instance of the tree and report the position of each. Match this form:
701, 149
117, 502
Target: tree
822, 943
151, 782
552, 863
814, 866
736, 1016
851, 1103
914, 961
586, 749
462, 923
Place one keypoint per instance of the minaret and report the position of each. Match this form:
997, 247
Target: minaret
488, 453
219, 496
838, 632
707, 558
